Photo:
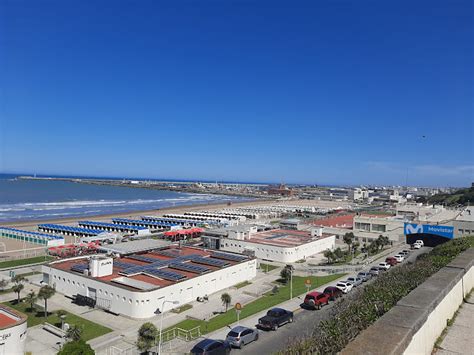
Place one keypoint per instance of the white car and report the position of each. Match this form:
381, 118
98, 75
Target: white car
344, 286
419, 241
384, 265
399, 258
416, 246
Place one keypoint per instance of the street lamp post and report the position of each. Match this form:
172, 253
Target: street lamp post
161, 321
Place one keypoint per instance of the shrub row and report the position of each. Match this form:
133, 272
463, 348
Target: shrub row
363, 307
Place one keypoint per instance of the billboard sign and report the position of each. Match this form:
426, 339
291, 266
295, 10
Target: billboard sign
442, 231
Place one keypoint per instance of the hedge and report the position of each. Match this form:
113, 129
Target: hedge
358, 311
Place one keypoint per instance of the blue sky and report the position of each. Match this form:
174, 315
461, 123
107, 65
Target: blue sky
327, 92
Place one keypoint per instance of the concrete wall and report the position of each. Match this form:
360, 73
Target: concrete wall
13, 339
277, 253
414, 324
143, 304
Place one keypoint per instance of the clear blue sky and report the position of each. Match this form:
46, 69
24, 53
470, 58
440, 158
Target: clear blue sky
335, 91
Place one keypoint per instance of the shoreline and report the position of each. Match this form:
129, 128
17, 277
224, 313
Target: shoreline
133, 214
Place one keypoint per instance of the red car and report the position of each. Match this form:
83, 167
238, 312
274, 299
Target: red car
316, 300
391, 260
333, 292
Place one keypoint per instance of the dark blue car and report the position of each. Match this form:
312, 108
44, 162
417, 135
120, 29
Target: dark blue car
211, 346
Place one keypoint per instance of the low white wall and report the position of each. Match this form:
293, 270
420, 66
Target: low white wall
423, 341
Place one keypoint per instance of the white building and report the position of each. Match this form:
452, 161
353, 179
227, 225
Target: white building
137, 285
12, 331
285, 246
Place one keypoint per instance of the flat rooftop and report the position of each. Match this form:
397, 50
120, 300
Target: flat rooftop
135, 246
156, 268
340, 221
284, 238
10, 317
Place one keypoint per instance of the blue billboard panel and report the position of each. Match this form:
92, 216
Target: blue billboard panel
442, 231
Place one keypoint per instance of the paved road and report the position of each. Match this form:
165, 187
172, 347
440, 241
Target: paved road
304, 321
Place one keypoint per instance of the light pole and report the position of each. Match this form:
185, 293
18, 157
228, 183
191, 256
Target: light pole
161, 321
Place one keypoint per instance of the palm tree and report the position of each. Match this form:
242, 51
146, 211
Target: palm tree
18, 288
45, 293
31, 298
285, 274
226, 300
74, 333
348, 237
147, 335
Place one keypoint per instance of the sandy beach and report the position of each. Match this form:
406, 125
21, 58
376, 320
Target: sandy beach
32, 224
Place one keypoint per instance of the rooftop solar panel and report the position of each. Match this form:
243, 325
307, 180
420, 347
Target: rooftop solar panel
79, 267
231, 257
133, 270
146, 259
166, 275
123, 265
197, 269
209, 261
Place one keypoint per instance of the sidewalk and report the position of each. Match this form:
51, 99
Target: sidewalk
458, 338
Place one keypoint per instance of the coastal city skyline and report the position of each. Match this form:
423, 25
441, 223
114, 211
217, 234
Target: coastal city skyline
337, 93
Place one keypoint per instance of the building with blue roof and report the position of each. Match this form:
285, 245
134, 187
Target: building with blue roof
31, 237
147, 224
111, 227
67, 230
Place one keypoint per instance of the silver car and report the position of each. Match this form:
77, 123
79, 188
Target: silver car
240, 336
355, 281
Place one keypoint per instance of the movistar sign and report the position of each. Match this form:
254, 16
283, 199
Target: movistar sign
442, 231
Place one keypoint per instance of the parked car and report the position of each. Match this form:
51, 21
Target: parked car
405, 252
365, 276
344, 286
316, 300
384, 265
275, 317
240, 336
333, 292
355, 280
375, 270
416, 246
392, 261
211, 346
419, 241
399, 258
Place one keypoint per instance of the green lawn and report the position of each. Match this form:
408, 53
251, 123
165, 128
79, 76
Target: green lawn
91, 330
268, 267
266, 301
242, 284
21, 262
26, 274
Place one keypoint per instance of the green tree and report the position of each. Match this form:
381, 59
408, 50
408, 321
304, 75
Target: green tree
226, 300
74, 333
338, 253
45, 293
31, 298
147, 335
3, 283
355, 246
17, 288
76, 348
328, 254
285, 274
348, 237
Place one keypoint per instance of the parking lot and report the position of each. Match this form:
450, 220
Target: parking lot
304, 320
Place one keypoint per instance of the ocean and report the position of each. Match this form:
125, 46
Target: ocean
42, 199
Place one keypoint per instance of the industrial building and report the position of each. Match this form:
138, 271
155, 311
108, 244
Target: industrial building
12, 331
137, 284
31, 237
206, 220
279, 245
